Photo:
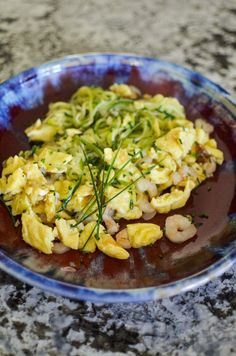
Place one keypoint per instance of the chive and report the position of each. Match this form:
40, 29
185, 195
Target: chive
199, 224
92, 147
99, 206
101, 202
203, 215
156, 148
112, 163
132, 129
117, 194
67, 114
153, 166
32, 151
89, 237
166, 113
86, 209
115, 103
131, 204
116, 175
68, 199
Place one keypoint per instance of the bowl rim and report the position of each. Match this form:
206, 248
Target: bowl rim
125, 55
99, 295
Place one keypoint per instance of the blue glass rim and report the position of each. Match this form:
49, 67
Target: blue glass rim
97, 295
118, 295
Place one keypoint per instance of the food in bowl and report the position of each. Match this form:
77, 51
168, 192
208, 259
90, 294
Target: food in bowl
104, 156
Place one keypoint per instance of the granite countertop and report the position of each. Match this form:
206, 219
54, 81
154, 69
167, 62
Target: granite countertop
198, 34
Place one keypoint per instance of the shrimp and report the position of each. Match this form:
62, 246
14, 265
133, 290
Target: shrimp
179, 228
208, 128
144, 204
122, 239
148, 216
59, 248
182, 173
144, 185
111, 225
210, 167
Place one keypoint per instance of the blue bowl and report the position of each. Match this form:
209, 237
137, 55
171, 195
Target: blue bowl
154, 272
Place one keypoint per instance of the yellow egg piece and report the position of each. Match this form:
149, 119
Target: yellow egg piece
3, 184
16, 181
50, 206
173, 200
36, 194
68, 234
20, 203
87, 242
143, 234
132, 214
63, 187
120, 157
53, 161
80, 198
41, 131
178, 142
215, 152
36, 234
34, 174
12, 163
159, 175
90, 246
123, 90
201, 136
110, 247
120, 200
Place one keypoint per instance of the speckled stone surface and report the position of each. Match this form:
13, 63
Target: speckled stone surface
198, 34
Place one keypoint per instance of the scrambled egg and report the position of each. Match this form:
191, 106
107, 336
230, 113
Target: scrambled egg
104, 156
110, 247
36, 234
143, 234
68, 233
174, 200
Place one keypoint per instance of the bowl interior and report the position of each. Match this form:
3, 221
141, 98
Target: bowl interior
25, 98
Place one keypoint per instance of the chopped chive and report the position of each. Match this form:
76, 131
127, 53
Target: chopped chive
131, 204
199, 224
203, 215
